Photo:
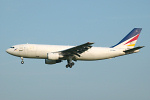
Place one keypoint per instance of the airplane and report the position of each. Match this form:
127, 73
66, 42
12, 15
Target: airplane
85, 52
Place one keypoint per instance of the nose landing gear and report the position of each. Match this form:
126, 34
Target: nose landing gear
22, 62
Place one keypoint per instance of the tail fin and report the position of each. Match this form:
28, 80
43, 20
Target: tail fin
129, 40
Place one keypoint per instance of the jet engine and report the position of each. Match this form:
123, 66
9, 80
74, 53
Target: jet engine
47, 61
53, 56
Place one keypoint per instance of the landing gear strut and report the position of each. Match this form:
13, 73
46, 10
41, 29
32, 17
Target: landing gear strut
70, 63
22, 62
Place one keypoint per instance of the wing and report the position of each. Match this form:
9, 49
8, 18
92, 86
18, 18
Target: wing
77, 50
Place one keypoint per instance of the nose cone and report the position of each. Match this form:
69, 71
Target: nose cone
8, 51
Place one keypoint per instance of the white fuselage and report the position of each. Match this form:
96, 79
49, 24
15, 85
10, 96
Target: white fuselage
41, 51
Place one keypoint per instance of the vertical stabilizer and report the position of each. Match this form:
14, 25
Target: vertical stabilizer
129, 40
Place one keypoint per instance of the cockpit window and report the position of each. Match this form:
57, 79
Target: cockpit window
12, 47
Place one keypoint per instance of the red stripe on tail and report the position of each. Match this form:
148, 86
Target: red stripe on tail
135, 38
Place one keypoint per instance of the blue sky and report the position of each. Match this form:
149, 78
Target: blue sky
67, 22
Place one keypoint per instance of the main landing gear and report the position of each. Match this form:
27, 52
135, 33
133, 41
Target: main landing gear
22, 62
70, 63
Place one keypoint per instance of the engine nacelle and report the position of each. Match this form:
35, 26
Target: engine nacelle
52, 61
53, 56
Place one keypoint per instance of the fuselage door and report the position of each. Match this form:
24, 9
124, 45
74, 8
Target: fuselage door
21, 48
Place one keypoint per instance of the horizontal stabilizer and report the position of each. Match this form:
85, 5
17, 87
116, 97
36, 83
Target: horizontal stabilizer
133, 50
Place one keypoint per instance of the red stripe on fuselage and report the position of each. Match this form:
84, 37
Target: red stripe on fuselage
135, 38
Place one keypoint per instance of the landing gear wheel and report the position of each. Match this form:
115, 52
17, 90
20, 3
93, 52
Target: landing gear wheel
70, 66
22, 62
72, 63
67, 66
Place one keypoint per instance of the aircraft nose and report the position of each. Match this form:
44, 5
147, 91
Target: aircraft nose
8, 50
